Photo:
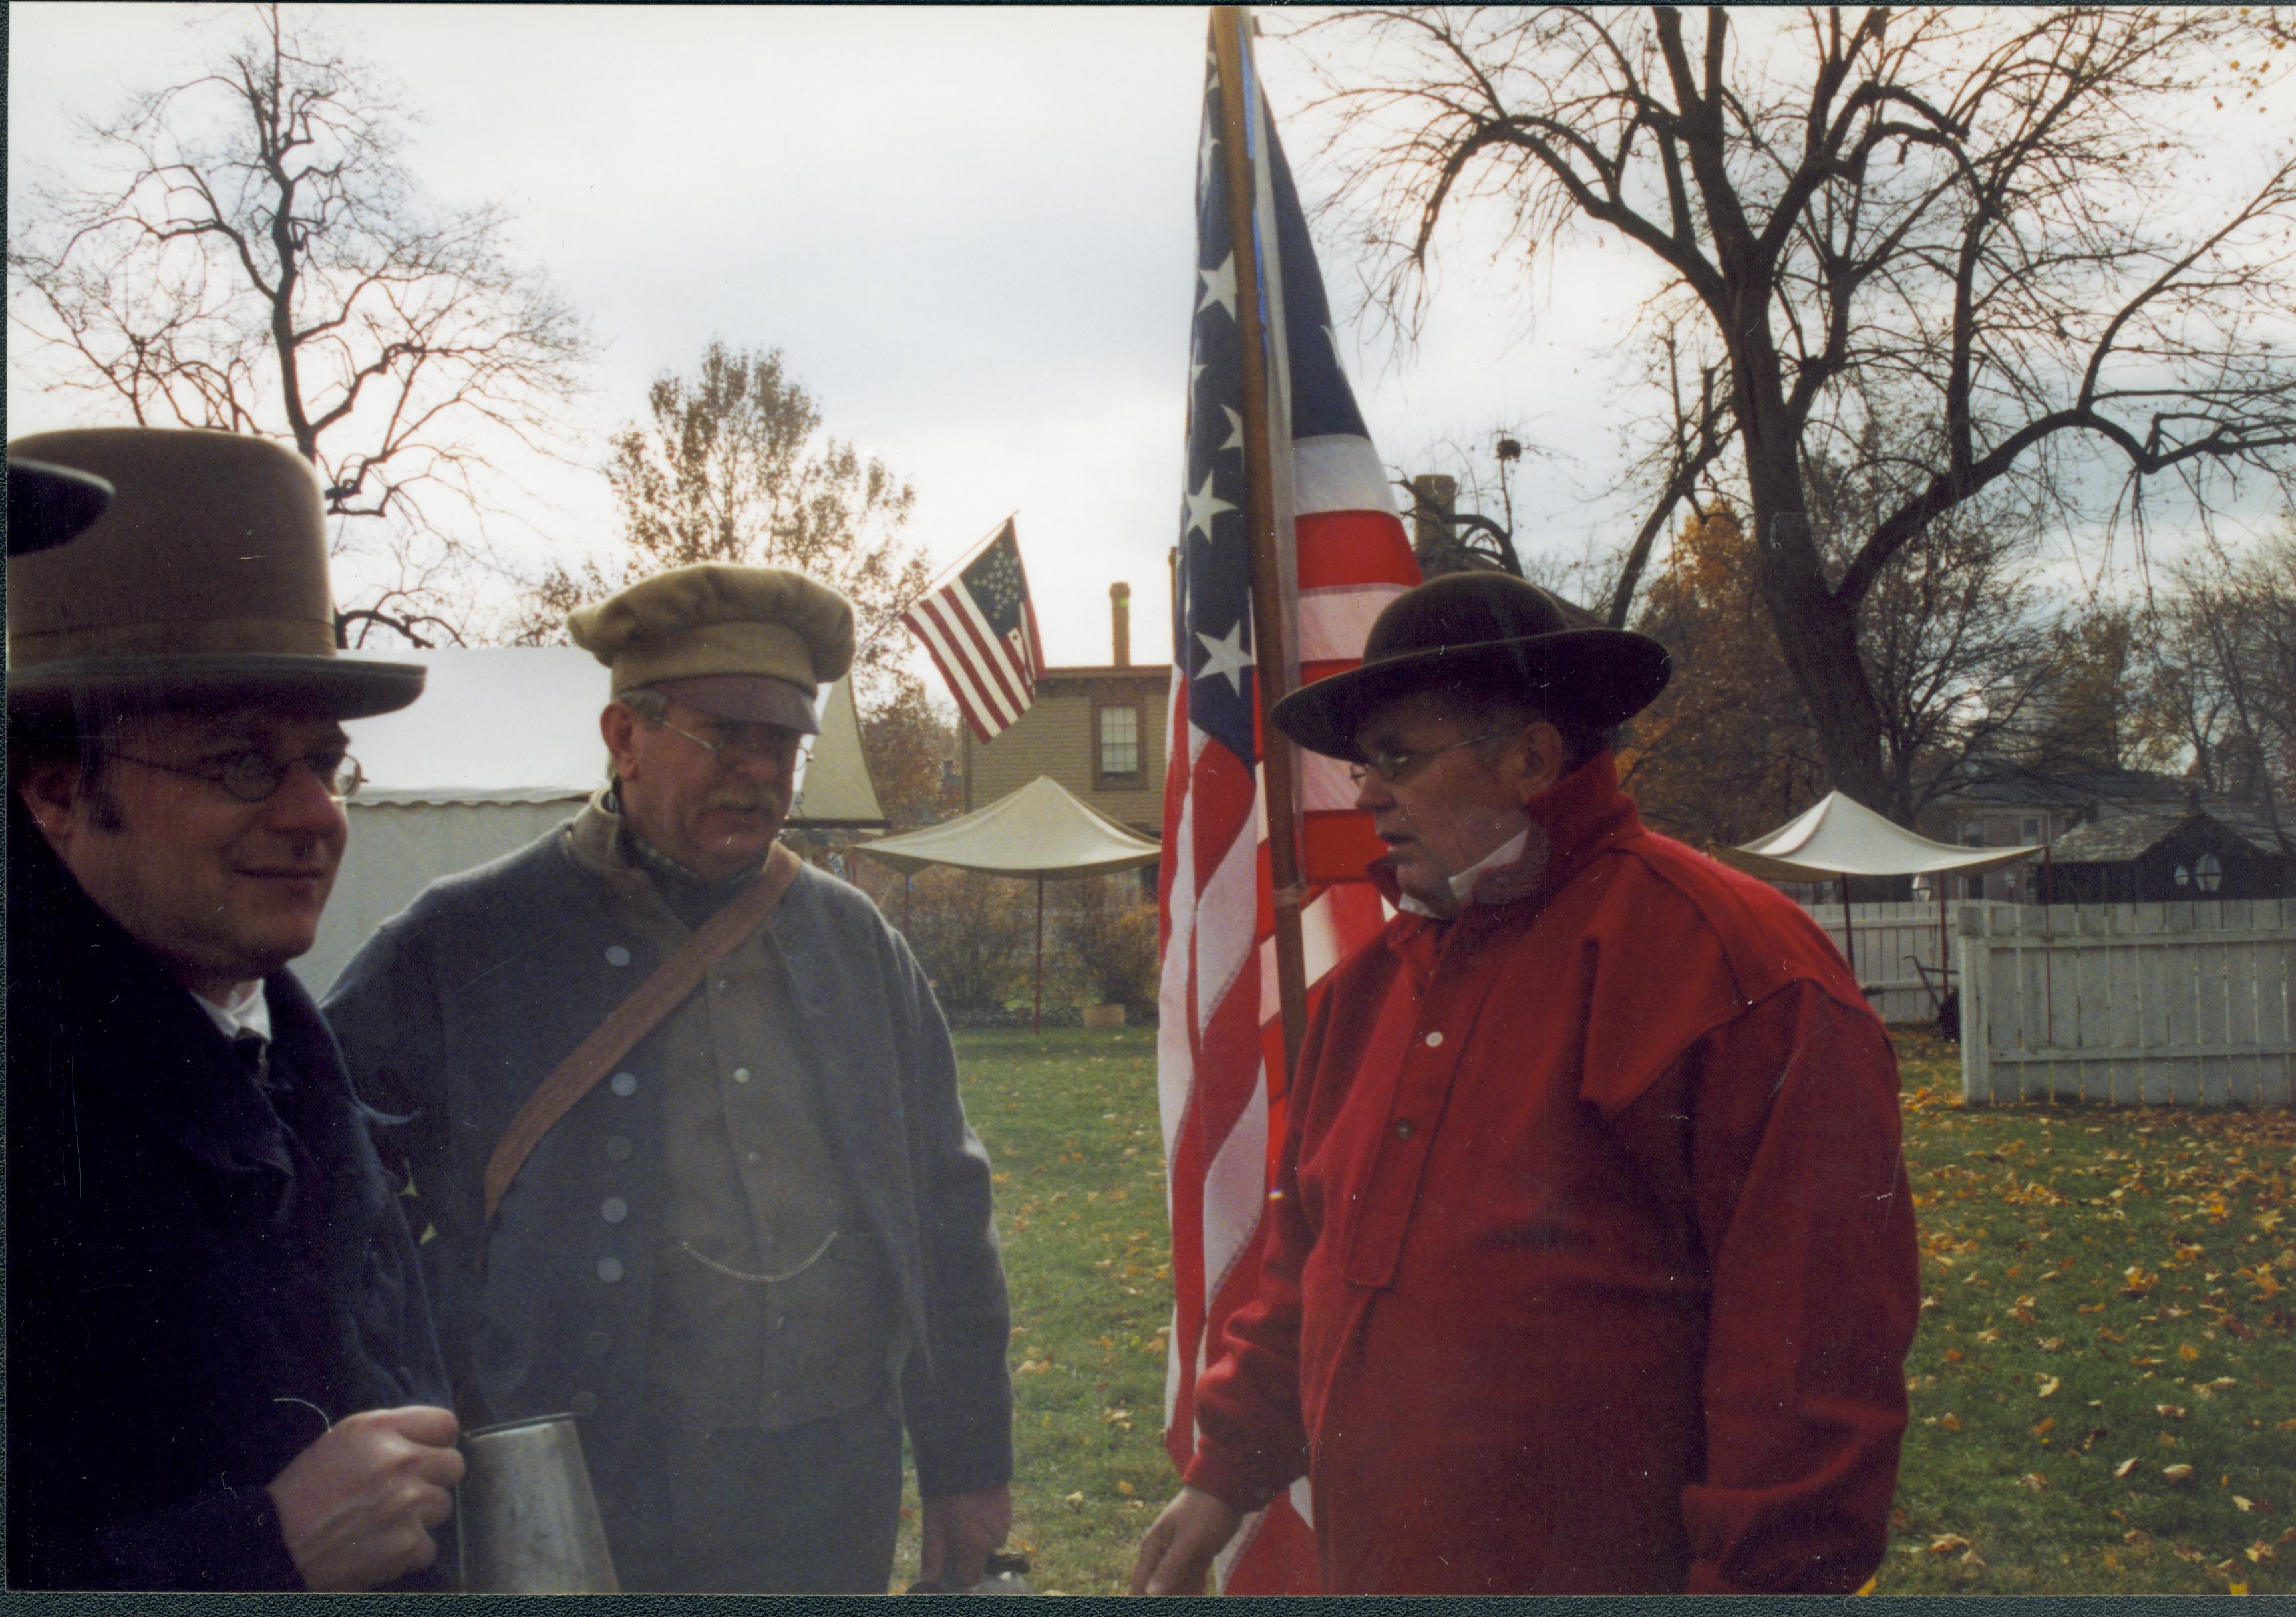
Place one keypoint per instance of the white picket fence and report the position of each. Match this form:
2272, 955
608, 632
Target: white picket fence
1889, 939
2182, 1004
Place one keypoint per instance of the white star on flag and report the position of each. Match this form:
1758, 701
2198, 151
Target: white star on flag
1234, 429
1219, 287
1203, 505
1228, 659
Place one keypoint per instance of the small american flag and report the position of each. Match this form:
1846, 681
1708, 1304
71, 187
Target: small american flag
981, 631
1342, 556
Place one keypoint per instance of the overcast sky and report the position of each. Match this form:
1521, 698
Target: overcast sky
969, 230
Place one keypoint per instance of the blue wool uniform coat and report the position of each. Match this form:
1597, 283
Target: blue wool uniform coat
459, 1008
187, 1308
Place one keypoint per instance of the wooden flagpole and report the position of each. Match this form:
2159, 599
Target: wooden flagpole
1271, 663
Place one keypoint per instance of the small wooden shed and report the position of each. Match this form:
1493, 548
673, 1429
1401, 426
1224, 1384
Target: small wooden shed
2159, 858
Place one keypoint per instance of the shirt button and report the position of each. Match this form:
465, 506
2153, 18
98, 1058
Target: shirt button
754, 1159
618, 1149
1403, 1129
613, 1210
585, 1403
1435, 1041
623, 1083
741, 1075
596, 1343
609, 1270
616, 955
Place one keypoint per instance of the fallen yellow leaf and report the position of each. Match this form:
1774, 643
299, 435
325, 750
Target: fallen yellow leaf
2170, 1411
1950, 1423
1946, 1543
2125, 1467
2177, 1477
2049, 1388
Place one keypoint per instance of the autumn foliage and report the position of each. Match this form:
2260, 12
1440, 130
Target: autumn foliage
1726, 754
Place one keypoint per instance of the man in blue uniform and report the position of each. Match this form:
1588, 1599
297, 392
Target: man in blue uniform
221, 1369
760, 1244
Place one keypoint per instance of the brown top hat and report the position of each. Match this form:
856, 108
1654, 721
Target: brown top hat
1482, 631
205, 582
49, 504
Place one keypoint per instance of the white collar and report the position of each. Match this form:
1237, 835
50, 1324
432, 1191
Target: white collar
248, 1012
1463, 885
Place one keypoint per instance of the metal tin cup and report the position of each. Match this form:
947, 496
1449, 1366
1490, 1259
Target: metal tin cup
528, 1520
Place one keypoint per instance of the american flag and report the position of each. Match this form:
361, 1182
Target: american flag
1342, 556
981, 631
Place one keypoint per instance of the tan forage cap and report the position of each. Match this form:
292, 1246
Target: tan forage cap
715, 618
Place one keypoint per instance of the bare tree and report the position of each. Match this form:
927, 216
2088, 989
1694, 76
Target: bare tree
1954, 635
1993, 217
2221, 662
1956, 640
1681, 444
732, 465
248, 252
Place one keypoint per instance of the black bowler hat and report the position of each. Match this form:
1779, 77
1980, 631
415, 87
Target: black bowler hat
48, 504
1482, 631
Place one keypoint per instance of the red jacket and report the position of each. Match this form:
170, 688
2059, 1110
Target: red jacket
1591, 1266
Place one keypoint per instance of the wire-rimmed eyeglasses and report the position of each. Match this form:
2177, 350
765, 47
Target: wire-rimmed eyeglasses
772, 743
255, 777
1394, 766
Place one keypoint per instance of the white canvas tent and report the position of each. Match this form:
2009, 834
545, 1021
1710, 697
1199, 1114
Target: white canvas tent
503, 745
1041, 831
1839, 837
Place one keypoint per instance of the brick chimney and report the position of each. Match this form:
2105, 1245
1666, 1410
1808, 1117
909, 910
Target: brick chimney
1119, 615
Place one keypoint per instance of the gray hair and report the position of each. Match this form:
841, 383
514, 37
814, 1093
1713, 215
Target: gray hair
647, 702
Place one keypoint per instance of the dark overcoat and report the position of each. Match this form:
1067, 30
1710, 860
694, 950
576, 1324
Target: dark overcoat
186, 1313
459, 1008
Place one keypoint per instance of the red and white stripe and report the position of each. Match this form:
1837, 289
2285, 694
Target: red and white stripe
1220, 1070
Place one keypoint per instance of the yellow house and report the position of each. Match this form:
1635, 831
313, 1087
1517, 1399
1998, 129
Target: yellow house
1099, 731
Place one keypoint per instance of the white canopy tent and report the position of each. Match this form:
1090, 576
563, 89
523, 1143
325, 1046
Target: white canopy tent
1839, 837
1041, 831
503, 745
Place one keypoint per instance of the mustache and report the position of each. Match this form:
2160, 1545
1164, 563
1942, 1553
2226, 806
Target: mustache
746, 802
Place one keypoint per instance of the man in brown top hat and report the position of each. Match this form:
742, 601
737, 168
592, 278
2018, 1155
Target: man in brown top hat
221, 1368
761, 1245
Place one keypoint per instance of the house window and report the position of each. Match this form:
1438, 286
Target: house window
1118, 742
2207, 873
2028, 830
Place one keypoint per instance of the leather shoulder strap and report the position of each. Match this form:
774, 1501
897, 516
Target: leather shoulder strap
635, 1018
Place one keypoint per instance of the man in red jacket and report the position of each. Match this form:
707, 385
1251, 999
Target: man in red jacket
1591, 1265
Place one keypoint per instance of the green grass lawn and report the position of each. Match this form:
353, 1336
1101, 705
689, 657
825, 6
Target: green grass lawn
2102, 1305
2104, 1384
